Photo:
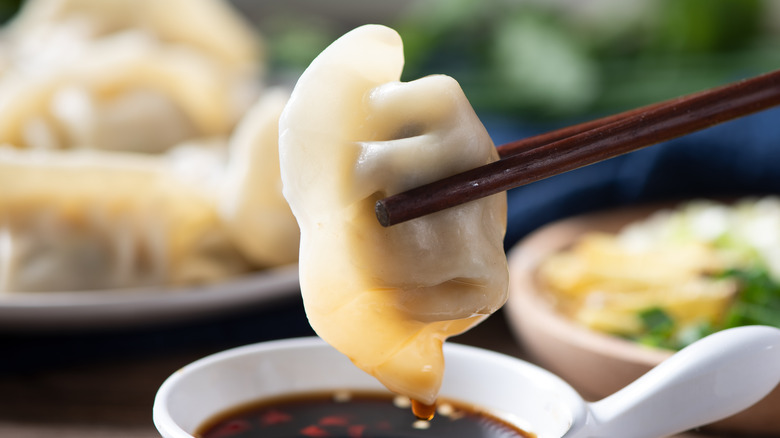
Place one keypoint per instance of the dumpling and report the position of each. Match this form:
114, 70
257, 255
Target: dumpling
256, 215
51, 29
203, 211
121, 75
126, 93
351, 134
85, 220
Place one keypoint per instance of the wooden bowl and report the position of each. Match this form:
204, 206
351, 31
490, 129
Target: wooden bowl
594, 363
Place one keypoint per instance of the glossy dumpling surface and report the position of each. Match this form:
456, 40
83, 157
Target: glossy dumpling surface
351, 134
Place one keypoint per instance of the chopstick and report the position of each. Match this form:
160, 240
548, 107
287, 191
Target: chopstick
521, 145
535, 158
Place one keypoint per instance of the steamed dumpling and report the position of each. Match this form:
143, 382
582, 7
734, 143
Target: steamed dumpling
351, 134
202, 212
122, 75
46, 30
84, 220
256, 215
127, 93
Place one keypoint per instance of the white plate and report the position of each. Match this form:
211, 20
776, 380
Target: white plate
143, 306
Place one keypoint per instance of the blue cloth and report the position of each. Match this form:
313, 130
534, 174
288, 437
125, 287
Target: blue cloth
737, 158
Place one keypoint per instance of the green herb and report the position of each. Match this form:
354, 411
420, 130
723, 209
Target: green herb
662, 331
542, 59
8, 8
758, 301
657, 321
659, 328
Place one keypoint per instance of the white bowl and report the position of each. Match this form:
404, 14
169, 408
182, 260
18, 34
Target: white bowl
713, 378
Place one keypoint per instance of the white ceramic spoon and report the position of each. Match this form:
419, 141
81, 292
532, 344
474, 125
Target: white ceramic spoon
713, 378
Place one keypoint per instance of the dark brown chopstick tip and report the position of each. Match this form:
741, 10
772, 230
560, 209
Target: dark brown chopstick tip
381, 213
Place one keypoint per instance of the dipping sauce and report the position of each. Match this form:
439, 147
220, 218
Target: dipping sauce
354, 415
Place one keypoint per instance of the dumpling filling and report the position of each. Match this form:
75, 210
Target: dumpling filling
351, 134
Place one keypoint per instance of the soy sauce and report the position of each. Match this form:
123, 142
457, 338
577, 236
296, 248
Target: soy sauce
354, 415
423, 411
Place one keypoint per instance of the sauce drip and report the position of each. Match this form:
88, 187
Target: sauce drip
423, 411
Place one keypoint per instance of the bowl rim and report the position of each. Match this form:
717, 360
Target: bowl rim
166, 424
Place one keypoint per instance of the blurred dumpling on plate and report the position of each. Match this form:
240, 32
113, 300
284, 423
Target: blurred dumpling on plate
204, 211
256, 215
85, 220
54, 30
123, 163
122, 75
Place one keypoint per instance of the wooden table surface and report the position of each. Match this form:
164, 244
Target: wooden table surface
101, 383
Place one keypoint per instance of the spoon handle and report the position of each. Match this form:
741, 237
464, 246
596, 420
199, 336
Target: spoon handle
711, 379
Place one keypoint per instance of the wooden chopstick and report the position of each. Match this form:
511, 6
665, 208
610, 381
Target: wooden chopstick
539, 157
524, 144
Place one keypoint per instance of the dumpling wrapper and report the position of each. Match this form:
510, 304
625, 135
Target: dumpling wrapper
58, 28
251, 204
351, 134
122, 75
126, 92
86, 220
